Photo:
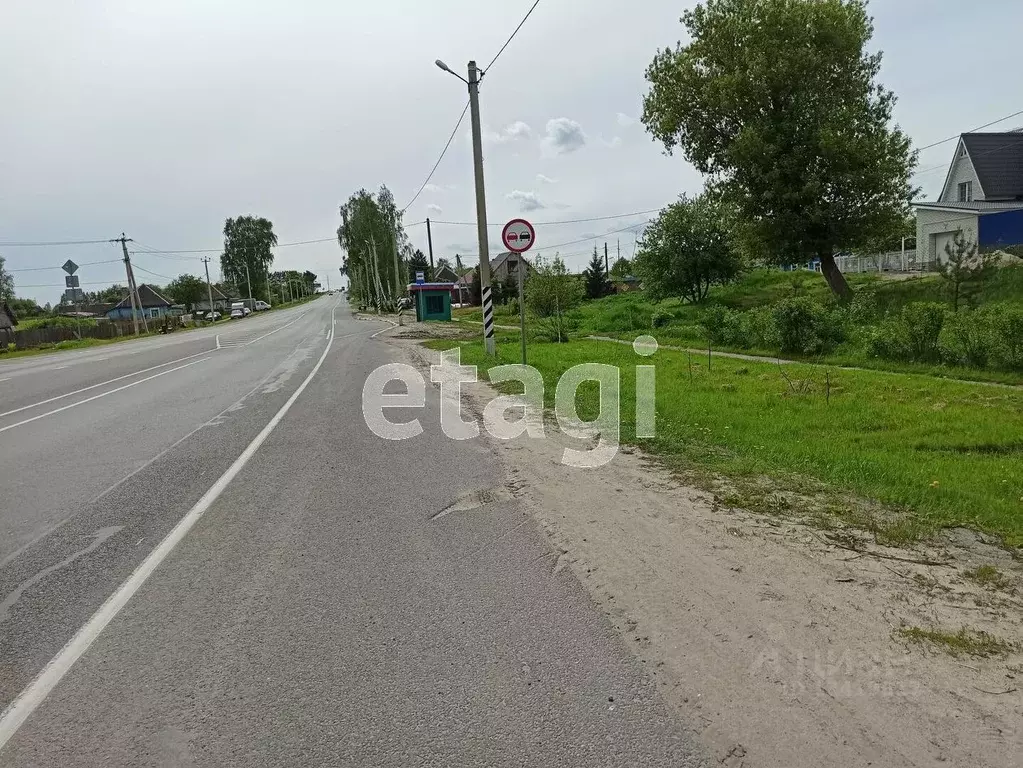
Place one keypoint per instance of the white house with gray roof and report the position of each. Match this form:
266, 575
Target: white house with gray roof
982, 195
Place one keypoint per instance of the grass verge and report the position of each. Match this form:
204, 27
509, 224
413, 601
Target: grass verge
931, 453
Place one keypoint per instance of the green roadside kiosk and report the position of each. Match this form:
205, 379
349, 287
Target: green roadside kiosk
432, 300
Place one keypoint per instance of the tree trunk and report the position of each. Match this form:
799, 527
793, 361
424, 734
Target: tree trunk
835, 278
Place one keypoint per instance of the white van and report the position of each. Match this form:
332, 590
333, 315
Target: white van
261, 305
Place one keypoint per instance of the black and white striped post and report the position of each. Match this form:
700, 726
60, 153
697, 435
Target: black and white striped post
488, 319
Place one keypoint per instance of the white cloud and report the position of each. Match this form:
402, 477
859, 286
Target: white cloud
433, 189
613, 143
545, 179
625, 121
528, 201
434, 208
517, 131
563, 136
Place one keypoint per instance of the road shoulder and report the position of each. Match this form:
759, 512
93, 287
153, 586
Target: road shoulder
782, 647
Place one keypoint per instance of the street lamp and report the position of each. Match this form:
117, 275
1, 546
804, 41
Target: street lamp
481, 200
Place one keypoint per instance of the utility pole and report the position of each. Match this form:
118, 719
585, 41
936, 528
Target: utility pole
376, 272
481, 210
398, 282
131, 280
429, 242
607, 268
248, 282
209, 285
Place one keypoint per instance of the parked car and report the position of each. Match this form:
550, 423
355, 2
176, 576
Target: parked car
238, 310
261, 305
211, 316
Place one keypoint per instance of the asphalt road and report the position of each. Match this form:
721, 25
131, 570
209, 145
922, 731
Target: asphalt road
208, 560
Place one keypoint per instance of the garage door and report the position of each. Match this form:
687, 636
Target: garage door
939, 241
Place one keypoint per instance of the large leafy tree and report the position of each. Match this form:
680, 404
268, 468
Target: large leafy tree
248, 242
596, 281
778, 101
686, 250
6, 282
188, 290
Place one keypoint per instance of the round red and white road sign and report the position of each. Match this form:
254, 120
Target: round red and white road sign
518, 235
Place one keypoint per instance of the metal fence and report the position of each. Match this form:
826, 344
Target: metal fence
893, 261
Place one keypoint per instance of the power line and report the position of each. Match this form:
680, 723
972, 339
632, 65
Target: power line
48, 269
331, 239
528, 13
61, 285
979, 154
150, 272
51, 242
553, 223
442, 153
973, 130
142, 248
595, 238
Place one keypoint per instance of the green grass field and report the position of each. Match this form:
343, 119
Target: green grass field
936, 452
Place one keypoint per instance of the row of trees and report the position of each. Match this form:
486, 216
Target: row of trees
244, 264
375, 247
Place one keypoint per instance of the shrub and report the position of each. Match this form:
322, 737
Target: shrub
966, 339
660, 318
758, 329
923, 322
1005, 326
912, 335
724, 326
801, 325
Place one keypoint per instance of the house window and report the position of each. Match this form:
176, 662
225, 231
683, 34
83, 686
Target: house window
966, 192
154, 313
962, 151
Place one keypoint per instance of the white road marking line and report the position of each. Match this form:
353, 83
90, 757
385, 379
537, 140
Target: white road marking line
101, 384
7, 379
60, 368
101, 394
29, 699
202, 426
282, 327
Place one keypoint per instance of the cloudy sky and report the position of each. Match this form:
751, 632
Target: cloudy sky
161, 118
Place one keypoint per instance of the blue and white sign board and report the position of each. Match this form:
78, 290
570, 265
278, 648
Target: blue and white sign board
420, 278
